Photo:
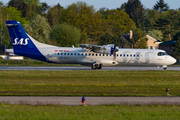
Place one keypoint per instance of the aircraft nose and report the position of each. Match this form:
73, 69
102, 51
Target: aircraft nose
173, 60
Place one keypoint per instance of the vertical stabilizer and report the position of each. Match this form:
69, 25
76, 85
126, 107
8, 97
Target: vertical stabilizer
22, 43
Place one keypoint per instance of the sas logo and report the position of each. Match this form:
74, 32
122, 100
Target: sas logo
21, 41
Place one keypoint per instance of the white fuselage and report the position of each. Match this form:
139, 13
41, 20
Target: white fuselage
68, 55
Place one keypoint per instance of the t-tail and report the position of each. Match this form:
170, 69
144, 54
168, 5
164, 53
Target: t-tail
24, 44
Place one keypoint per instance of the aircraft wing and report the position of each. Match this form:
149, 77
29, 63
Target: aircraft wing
105, 49
90, 47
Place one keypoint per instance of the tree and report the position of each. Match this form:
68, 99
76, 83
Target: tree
135, 10
29, 8
39, 29
86, 19
161, 6
8, 13
142, 43
54, 15
122, 6
20, 5
1, 4
151, 18
177, 49
177, 36
138, 40
45, 7
106, 39
2, 26
65, 35
168, 24
117, 22
157, 34
14, 14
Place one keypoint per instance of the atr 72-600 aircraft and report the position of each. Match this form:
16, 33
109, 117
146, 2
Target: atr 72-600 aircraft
88, 55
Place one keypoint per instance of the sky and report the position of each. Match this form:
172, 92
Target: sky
110, 4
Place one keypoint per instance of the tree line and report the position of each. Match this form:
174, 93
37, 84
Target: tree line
81, 23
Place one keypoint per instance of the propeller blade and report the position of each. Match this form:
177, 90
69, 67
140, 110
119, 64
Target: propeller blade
114, 51
115, 45
114, 56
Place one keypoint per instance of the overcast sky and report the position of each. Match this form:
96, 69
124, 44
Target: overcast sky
111, 4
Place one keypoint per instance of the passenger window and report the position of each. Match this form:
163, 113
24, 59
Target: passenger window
124, 55
82, 54
71, 53
103, 54
92, 54
58, 53
117, 55
89, 54
134, 55
131, 55
74, 53
96, 54
86, 54
99, 54
127, 55
137, 55
64, 53
106, 54
61, 53
68, 54
120, 55
78, 54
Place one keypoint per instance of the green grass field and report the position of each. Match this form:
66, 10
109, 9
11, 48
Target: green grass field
30, 62
102, 112
89, 83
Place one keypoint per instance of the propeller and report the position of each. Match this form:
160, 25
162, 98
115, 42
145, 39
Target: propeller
114, 51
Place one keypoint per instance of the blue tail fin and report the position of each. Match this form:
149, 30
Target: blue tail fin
22, 43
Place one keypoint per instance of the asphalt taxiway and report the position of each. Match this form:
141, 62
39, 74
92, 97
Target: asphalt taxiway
56, 68
75, 101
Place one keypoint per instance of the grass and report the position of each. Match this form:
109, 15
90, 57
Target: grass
30, 62
89, 83
102, 112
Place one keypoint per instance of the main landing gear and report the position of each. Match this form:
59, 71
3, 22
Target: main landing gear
96, 66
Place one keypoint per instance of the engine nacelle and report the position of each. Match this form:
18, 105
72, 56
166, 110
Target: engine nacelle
107, 63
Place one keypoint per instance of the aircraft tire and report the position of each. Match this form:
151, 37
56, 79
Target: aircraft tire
100, 66
165, 68
94, 67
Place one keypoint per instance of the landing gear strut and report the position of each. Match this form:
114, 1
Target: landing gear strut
96, 66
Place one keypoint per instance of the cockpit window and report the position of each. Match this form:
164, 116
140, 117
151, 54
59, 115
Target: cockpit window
162, 53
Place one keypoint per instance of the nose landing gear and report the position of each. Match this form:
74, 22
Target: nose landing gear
165, 67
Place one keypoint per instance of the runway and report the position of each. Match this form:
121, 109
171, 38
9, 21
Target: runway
46, 68
75, 101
